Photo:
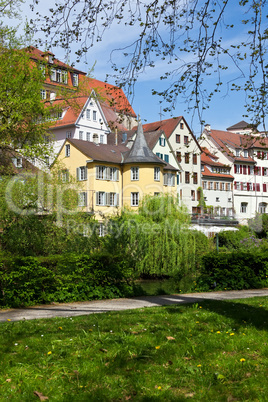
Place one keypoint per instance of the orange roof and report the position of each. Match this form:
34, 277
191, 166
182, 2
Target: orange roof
168, 126
109, 95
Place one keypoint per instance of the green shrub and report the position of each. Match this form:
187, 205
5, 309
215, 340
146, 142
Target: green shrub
63, 278
232, 239
236, 270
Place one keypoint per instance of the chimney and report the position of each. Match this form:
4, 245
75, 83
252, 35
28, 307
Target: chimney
207, 127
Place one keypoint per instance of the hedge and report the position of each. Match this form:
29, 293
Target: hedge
236, 270
27, 281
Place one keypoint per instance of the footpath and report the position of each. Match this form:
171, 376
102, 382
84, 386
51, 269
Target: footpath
103, 306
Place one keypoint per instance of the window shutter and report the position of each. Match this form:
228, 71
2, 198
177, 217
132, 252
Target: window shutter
248, 169
85, 173
235, 186
248, 187
263, 171
108, 173
97, 198
235, 170
264, 187
78, 173
117, 174
258, 186
97, 172
241, 167
214, 185
253, 186
107, 199
173, 180
165, 179
85, 199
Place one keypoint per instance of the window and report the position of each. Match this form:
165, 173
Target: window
17, 162
210, 185
82, 199
245, 153
65, 175
162, 141
221, 186
81, 134
204, 185
262, 207
95, 138
134, 173
186, 139
134, 199
159, 155
166, 158
156, 194
195, 178
67, 150
178, 154
101, 138
113, 199
68, 134
81, 173
229, 199
228, 186
192, 195
187, 177
195, 159
101, 172
181, 126
157, 174
42, 68
217, 199
243, 208
100, 198
169, 179
88, 136
178, 138
94, 115
237, 152
114, 174
216, 185
59, 75
187, 157
75, 80
88, 114
43, 94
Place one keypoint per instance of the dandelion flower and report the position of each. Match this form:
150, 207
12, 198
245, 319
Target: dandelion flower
199, 365
8, 319
49, 353
242, 360
218, 332
157, 347
159, 387
60, 327
232, 334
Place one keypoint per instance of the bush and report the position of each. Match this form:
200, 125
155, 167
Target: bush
232, 239
235, 270
26, 281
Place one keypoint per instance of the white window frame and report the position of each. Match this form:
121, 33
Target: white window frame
65, 176
169, 179
67, 150
100, 198
82, 199
101, 138
17, 162
81, 135
94, 117
88, 136
135, 199
204, 185
135, 173
43, 93
68, 134
75, 79
243, 207
157, 174
101, 172
114, 174
162, 141
88, 114
81, 173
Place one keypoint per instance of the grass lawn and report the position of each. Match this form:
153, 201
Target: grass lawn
213, 351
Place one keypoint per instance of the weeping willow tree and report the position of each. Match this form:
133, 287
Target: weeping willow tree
157, 240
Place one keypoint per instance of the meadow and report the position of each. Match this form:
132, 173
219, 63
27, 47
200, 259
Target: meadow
213, 351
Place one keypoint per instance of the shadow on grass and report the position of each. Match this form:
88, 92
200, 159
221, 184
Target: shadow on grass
240, 312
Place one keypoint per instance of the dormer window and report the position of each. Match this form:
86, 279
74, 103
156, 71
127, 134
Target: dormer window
17, 162
237, 152
245, 153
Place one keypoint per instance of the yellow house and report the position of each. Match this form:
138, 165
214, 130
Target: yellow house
114, 176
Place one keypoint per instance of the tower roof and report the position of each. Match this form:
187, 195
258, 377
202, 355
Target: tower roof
140, 151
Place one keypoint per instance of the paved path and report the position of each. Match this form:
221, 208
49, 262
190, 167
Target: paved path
102, 306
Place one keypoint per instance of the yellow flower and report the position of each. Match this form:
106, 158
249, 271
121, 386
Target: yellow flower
242, 360
200, 307
218, 332
199, 365
157, 347
159, 387
197, 322
49, 353
232, 334
60, 327
8, 319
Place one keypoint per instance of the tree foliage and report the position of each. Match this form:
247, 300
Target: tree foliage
191, 36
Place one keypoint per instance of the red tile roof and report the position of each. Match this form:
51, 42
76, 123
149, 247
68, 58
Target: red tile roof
208, 173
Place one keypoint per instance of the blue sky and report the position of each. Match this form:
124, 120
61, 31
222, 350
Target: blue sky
226, 108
